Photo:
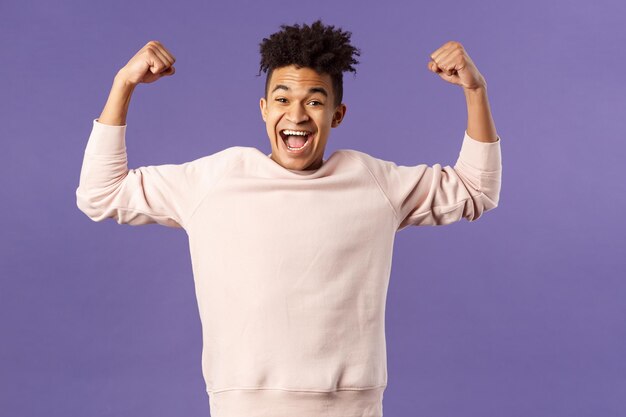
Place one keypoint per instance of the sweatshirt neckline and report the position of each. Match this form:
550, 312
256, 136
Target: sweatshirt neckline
299, 173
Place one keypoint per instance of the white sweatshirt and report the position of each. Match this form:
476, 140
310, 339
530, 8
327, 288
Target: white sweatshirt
291, 268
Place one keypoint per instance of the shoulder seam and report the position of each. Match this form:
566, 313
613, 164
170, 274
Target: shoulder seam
226, 171
380, 188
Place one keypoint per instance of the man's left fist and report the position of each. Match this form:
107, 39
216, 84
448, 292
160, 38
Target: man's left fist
452, 63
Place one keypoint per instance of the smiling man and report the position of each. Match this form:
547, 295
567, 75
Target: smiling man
292, 252
299, 114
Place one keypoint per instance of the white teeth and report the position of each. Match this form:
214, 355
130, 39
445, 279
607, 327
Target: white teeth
295, 132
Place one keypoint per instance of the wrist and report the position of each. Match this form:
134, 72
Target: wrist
481, 89
122, 81
476, 95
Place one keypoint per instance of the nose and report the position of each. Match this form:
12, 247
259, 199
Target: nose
297, 114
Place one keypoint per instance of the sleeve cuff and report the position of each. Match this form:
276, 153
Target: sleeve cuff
484, 156
106, 139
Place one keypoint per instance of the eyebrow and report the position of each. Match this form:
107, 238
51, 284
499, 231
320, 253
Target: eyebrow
311, 90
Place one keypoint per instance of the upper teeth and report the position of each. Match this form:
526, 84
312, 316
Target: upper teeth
295, 132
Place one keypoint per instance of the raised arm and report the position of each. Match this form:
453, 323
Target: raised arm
150, 63
424, 195
452, 63
161, 194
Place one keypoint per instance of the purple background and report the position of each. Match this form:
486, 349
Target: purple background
521, 313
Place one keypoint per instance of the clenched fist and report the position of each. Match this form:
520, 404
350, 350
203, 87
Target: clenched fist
152, 62
452, 63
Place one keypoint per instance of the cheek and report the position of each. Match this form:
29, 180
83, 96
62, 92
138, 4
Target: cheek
273, 119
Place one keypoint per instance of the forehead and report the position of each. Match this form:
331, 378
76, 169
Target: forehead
299, 79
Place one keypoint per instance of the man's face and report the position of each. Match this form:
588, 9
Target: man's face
301, 100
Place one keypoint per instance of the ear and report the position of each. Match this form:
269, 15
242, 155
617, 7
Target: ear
263, 106
339, 114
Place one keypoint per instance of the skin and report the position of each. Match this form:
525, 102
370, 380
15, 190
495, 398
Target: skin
454, 65
300, 109
296, 108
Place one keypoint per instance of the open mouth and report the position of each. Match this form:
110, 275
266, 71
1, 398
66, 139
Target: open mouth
296, 140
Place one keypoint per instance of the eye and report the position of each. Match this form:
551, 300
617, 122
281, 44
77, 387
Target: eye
281, 98
318, 102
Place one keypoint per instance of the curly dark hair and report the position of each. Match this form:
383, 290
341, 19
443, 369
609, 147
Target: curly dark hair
320, 47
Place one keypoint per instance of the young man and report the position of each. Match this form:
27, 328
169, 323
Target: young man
292, 253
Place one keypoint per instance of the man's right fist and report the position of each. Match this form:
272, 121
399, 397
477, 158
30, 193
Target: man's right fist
152, 62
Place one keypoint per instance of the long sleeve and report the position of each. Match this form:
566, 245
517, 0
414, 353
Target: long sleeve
163, 194
425, 195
